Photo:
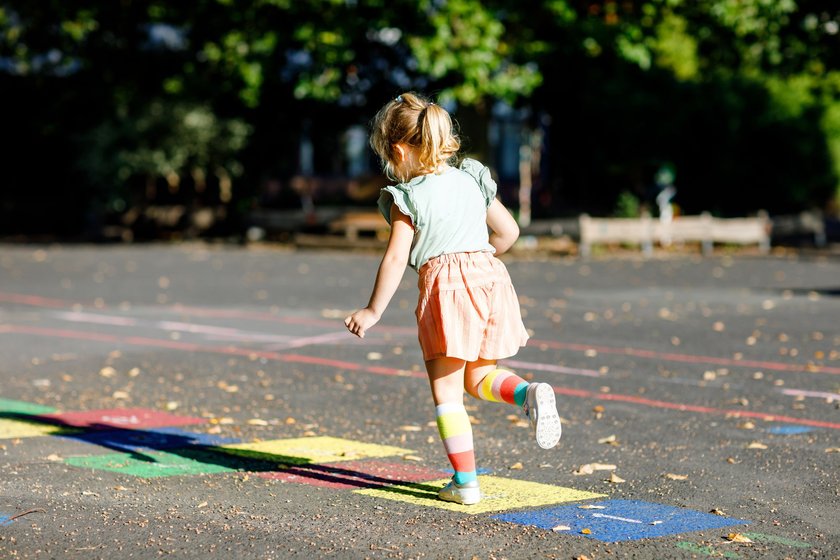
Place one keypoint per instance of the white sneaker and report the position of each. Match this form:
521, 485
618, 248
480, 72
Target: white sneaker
541, 409
465, 494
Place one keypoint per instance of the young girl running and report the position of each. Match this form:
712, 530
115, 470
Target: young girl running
468, 314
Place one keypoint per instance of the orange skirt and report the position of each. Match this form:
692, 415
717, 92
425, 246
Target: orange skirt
468, 308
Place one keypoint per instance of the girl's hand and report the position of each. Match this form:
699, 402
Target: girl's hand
360, 321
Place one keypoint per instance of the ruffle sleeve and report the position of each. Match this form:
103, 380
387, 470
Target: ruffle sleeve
481, 174
401, 196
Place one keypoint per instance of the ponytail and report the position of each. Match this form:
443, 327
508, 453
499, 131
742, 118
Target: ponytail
417, 122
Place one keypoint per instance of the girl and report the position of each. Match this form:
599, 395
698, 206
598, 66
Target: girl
468, 313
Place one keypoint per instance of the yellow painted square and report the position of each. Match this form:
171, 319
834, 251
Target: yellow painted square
498, 494
10, 429
312, 450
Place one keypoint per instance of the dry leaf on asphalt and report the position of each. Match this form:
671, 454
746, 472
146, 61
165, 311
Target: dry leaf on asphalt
592, 467
516, 466
717, 511
589, 506
412, 458
609, 440
756, 445
615, 479
561, 528
409, 428
833, 450
672, 476
737, 537
108, 372
257, 422
586, 531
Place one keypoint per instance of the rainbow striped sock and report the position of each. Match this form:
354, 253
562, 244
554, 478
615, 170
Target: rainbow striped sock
501, 385
456, 433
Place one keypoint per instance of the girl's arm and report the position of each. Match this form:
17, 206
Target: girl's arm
388, 278
505, 230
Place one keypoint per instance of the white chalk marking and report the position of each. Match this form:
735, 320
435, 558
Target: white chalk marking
626, 520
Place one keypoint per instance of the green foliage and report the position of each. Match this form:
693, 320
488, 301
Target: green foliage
627, 205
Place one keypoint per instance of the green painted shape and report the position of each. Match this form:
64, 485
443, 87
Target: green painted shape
9, 406
154, 464
761, 537
707, 550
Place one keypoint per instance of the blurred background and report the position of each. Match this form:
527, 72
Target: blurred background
141, 119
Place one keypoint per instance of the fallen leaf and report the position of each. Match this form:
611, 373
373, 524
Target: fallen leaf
747, 426
257, 422
121, 488
756, 445
833, 450
89, 493
172, 405
589, 506
121, 395
582, 556
289, 420
592, 467
516, 466
585, 531
412, 458
672, 476
732, 461
373, 356
598, 409
737, 537
609, 440
410, 428
54, 457
615, 479
561, 528
201, 505
717, 511
656, 522
108, 372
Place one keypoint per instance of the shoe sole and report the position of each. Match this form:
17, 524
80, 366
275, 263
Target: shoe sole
470, 499
548, 429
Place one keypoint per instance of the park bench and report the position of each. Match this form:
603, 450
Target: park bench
646, 231
352, 224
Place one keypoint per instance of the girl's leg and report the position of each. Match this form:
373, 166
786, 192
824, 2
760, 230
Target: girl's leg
446, 377
483, 380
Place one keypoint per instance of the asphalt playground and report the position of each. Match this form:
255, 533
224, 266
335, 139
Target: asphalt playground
205, 401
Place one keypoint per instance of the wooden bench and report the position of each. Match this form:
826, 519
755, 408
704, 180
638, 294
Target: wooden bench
646, 231
353, 223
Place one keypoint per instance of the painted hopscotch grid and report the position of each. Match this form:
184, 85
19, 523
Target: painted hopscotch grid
121, 418
9, 406
621, 520
151, 440
156, 464
14, 429
498, 494
319, 449
351, 475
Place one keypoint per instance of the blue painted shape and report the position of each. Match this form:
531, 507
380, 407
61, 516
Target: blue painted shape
150, 439
6, 520
621, 520
789, 430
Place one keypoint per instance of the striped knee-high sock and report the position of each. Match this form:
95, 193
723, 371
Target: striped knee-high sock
501, 385
456, 433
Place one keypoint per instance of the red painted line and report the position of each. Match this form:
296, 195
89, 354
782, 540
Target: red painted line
689, 358
694, 408
626, 351
378, 370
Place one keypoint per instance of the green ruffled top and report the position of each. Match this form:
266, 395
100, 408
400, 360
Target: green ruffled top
448, 210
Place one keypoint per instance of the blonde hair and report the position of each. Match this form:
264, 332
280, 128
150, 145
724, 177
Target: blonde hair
413, 120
